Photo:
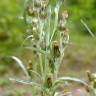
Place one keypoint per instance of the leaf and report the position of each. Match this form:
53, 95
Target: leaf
26, 82
71, 79
56, 10
30, 36
38, 50
19, 62
37, 74
86, 26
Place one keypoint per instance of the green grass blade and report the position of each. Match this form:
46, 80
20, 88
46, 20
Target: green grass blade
26, 82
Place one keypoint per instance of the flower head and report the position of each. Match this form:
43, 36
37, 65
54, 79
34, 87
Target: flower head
49, 82
56, 49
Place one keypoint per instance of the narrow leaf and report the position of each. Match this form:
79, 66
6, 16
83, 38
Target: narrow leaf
38, 50
86, 26
37, 74
19, 62
26, 82
71, 79
30, 36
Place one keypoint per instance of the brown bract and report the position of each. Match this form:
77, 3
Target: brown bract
56, 49
49, 82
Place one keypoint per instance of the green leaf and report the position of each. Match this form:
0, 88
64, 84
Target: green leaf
86, 26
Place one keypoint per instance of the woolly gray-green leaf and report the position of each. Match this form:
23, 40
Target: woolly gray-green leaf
20, 63
26, 82
37, 50
71, 79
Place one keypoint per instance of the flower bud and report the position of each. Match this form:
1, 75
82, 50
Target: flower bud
43, 13
44, 3
32, 11
37, 4
49, 82
34, 21
62, 21
56, 49
61, 25
66, 36
65, 15
34, 29
29, 68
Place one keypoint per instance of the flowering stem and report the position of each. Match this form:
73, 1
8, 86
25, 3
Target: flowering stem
55, 24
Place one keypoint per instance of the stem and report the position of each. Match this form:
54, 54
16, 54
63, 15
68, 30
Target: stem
55, 24
92, 92
59, 63
41, 64
24, 12
48, 30
33, 93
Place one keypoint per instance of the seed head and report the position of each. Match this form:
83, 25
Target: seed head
62, 21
